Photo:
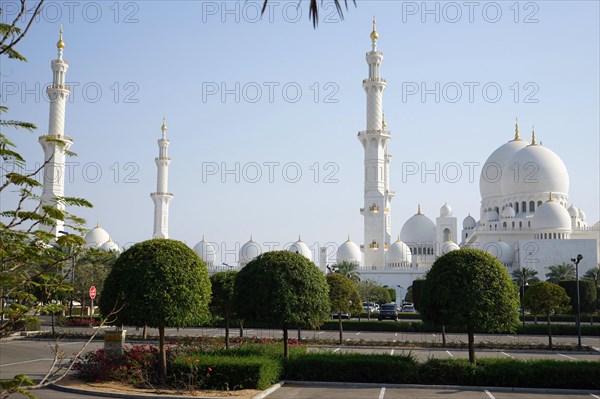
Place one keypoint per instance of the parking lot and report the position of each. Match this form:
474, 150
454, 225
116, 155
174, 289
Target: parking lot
292, 391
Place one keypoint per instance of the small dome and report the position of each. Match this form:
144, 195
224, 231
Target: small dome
418, 229
508, 212
349, 252
445, 210
581, 214
398, 252
573, 212
249, 251
96, 237
469, 222
301, 248
110, 246
502, 251
491, 216
551, 216
449, 246
206, 251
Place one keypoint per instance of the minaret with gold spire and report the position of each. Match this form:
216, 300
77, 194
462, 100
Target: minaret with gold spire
377, 195
162, 198
55, 143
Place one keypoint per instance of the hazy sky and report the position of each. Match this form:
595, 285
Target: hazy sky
263, 113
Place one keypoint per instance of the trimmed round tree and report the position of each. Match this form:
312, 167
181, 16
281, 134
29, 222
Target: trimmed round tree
545, 298
223, 293
159, 283
343, 296
282, 288
471, 290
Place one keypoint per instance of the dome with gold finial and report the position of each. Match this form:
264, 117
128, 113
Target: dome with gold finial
301, 248
535, 169
60, 44
418, 229
374, 34
96, 237
496, 166
248, 252
206, 251
551, 216
349, 252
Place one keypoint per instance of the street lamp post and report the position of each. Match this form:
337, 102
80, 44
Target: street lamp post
578, 318
523, 284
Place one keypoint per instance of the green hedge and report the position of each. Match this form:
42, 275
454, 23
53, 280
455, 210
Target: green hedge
225, 372
405, 370
351, 367
374, 325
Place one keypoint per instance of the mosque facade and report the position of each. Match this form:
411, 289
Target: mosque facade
525, 217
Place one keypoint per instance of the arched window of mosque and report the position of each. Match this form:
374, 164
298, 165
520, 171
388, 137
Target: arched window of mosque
504, 225
447, 235
524, 206
516, 206
531, 206
513, 225
539, 203
467, 235
529, 223
520, 225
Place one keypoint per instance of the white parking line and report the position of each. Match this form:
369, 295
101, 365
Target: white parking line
594, 396
392, 352
489, 394
382, 393
596, 349
433, 335
395, 335
321, 332
511, 336
336, 349
506, 354
26, 361
448, 352
347, 339
568, 357
357, 333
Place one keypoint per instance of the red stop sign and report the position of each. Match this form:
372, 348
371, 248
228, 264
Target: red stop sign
92, 292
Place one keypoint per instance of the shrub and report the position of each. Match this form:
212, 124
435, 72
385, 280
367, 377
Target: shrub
447, 372
587, 294
219, 372
351, 367
80, 321
138, 364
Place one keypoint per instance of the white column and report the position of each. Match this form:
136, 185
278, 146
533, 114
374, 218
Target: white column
54, 152
162, 198
377, 196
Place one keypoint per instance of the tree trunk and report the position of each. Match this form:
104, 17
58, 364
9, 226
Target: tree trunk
226, 331
241, 328
162, 355
285, 342
471, 333
52, 317
549, 334
145, 332
340, 327
443, 336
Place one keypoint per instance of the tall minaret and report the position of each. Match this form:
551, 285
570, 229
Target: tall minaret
378, 197
55, 143
162, 197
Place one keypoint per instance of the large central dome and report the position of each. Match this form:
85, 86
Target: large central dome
536, 169
496, 167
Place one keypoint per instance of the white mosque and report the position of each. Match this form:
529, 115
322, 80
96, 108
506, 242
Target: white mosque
525, 219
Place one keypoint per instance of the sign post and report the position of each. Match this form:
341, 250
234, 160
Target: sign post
92, 296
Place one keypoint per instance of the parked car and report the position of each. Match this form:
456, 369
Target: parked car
369, 307
388, 311
409, 309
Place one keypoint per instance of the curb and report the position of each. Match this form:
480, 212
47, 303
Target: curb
449, 387
81, 391
269, 391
